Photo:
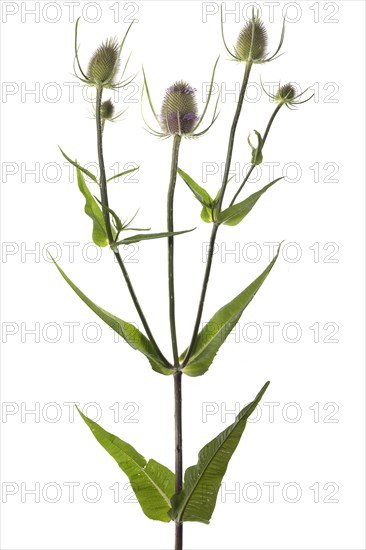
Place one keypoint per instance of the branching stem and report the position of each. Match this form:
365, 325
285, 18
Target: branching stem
107, 221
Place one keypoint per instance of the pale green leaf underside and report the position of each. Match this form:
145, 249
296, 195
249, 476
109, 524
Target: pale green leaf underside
197, 500
236, 213
215, 332
93, 210
127, 331
152, 483
207, 214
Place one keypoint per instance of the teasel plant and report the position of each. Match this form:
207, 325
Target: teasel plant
165, 495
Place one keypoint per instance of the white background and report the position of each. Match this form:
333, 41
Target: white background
324, 381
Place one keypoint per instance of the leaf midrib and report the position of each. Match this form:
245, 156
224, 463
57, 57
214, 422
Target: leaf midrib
166, 498
218, 333
208, 464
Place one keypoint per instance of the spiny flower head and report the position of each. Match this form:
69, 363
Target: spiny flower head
104, 63
251, 45
179, 109
285, 93
252, 41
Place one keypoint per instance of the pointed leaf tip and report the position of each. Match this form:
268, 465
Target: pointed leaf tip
215, 332
152, 483
127, 331
197, 500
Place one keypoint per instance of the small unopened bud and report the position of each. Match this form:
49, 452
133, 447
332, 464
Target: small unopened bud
252, 41
179, 109
285, 93
107, 110
103, 65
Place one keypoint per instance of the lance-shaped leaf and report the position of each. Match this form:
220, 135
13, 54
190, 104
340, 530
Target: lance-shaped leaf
197, 500
153, 483
94, 212
127, 331
215, 332
201, 194
257, 155
77, 165
123, 173
150, 236
237, 212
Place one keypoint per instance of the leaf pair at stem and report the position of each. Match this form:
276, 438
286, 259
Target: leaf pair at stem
209, 340
232, 215
154, 484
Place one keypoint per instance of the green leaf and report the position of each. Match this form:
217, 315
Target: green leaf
136, 228
197, 500
127, 331
237, 212
148, 236
153, 483
201, 194
94, 212
74, 163
207, 214
146, 87
116, 220
123, 173
215, 332
257, 155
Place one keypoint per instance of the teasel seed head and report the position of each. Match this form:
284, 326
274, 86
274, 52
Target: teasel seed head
252, 41
179, 109
285, 93
107, 110
103, 65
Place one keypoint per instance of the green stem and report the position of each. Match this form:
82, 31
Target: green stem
173, 331
170, 223
230, 148
102, 181
215, 227
263, 142
178, 451
107, 221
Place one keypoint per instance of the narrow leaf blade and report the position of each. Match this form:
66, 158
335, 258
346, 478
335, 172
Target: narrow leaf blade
77, 165
123, 173
237, 212
201, 194
150, 236
197, 500
153, 483
215, 332
127, 331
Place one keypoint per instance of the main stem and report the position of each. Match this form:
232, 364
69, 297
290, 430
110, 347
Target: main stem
215, 227
107, 221
173, 331
170, 223
178, 451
